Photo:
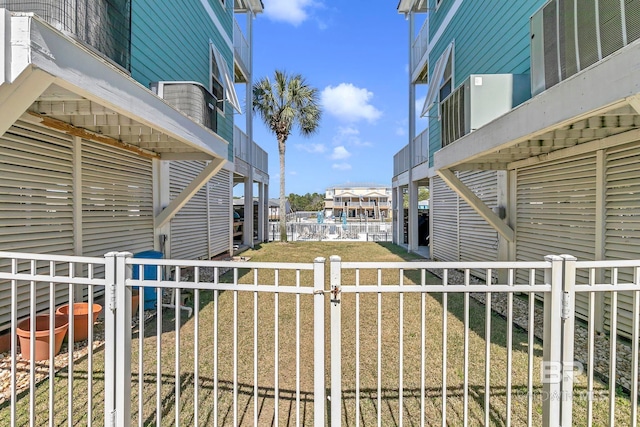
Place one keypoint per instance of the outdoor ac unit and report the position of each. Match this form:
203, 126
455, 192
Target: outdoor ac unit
567, 36
479, 100
191, 98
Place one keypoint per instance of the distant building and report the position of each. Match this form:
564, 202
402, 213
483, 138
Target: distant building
358, 200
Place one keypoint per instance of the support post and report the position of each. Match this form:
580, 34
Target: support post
110, 340
123, 349
336, 342
552, 349
319, 394
568, 338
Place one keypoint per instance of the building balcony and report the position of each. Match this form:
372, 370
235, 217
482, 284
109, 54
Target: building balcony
249, 152
419, 55
241, 55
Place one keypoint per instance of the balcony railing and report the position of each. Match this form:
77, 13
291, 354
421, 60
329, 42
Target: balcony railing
240, 45
241, 149
402, 160
421, 148
420, 44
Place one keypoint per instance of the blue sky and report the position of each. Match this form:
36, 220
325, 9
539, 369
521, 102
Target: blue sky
355, 53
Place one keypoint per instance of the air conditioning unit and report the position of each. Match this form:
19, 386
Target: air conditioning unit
479, 100
568, 36
191, 98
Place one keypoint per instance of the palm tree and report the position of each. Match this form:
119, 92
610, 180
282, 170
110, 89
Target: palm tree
285, 102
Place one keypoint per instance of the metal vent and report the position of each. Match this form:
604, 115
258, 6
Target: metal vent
632, 18
568, 36
610, 26
453, 121
587, 36
550, 45
192, 99
104, 25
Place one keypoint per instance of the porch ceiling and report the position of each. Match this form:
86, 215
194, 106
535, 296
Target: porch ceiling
64, 110
590, 107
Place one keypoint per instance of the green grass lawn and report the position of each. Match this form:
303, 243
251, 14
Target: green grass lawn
286, 323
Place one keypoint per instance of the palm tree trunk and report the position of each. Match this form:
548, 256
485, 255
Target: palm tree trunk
283, 201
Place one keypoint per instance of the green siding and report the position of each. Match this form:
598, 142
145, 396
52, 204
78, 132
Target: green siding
170, 41
491, 37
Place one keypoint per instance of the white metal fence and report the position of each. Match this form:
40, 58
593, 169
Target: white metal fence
405, 347
364, 231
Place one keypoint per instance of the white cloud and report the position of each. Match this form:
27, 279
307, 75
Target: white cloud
340, 153
294, 173
350, 136
341, 166
312, 148
349, 103
294, 12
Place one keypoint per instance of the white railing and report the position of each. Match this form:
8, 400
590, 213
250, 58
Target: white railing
420, 44
421, 148
401, 161
53, 281
240, 44
404, 344
241, 150
335, 231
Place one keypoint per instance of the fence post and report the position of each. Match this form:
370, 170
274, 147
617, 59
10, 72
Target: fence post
123, 349
319, 393
568, 338
552, 344
110, 338
336, 341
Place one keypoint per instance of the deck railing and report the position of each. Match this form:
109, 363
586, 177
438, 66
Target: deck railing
404, 344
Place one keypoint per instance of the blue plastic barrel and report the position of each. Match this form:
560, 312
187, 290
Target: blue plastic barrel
149, 272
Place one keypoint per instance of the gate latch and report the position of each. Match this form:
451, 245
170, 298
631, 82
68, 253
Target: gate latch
566, 305
335, 295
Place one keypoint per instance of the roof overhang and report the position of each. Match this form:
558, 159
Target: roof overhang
597, 107
55, 80
243, 6
407, 6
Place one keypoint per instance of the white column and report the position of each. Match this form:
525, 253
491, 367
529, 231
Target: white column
248, 108
399, 197
247, 227
261, 212
413, 216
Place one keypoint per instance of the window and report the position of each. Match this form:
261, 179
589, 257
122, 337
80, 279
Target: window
221, 82
436, 79
445, 86
438, 2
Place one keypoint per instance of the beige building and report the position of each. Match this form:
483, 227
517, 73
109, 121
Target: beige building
371, 201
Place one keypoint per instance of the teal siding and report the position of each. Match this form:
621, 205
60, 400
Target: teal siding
170, 41
491, 37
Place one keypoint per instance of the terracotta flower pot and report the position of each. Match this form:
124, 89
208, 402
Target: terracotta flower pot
42, 335
80, 318
135, 301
